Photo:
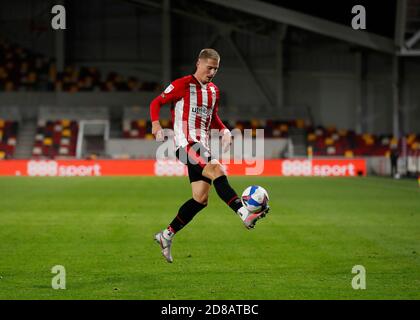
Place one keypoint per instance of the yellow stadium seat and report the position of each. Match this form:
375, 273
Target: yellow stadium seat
394, 141
65, 123
141, 123
342, 132
9, 86
284, 128
2, 154
149, 136
66, 133
300, 123
331, 129
310, 151
311, 137
369, 142
409, 142
329, 141
1, 123
348, 154
255, 123
48, 141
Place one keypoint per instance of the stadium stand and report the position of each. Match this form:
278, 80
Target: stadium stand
24, 70
141, 127
322, 141
332, 142
57, 131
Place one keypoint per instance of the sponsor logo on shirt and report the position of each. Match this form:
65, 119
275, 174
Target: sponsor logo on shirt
201, 110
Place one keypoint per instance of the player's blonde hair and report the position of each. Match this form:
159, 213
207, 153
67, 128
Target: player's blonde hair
209, 53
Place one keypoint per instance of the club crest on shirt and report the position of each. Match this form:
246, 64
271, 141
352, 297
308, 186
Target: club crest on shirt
168, 89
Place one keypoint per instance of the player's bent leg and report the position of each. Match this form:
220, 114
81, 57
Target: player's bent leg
200, 191
215, 172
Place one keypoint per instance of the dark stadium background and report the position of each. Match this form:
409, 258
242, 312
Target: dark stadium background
332, 101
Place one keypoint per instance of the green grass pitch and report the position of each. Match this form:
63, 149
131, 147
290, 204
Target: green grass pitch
101, 230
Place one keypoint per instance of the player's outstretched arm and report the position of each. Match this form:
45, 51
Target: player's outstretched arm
154, 116
172, 93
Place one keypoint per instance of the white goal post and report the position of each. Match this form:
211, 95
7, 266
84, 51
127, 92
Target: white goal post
86, 127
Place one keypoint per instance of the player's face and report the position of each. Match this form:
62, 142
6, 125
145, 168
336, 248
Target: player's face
206, 70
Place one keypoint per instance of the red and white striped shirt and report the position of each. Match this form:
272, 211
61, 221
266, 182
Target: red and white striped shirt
194, 110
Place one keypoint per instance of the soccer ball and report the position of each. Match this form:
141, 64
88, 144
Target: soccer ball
255, 199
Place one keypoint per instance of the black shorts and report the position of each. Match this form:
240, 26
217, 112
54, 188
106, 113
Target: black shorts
195, 156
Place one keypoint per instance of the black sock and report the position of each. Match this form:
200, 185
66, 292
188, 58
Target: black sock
226, 193
185, 214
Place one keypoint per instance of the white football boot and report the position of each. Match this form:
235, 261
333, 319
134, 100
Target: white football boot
165, 245
250, 219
